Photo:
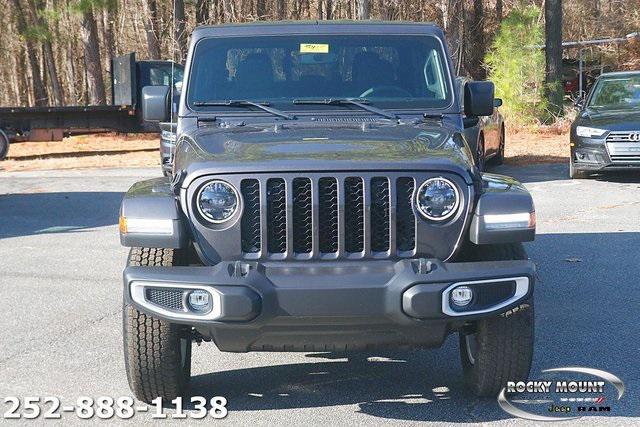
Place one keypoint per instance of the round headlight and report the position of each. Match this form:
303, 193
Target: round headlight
437, 199
217, 201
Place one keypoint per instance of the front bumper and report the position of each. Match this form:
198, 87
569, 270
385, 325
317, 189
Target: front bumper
596, 155
332, 305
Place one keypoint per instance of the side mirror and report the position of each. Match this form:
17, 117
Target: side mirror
478, 99
579, 104
155, 103
497, 102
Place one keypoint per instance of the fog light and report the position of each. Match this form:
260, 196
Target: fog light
461, 296
200, 301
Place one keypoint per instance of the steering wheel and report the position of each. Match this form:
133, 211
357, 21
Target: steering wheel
385, 91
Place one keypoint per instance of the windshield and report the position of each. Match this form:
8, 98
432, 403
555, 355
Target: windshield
617, 93
403, 72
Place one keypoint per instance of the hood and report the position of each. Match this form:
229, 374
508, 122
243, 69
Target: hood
618, 120
317, 147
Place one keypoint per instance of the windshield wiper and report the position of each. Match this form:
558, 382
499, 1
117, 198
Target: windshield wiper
358, 102
264, 106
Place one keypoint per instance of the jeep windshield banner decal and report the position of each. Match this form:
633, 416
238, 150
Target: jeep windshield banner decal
570, 397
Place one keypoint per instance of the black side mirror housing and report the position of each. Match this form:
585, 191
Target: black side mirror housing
478, 99
579, 104
497, 102
155, 103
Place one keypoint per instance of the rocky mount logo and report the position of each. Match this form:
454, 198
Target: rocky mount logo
589, 392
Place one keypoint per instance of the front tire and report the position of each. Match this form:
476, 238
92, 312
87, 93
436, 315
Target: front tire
480, 159
499, 158
157, 353
498, 349
4, 145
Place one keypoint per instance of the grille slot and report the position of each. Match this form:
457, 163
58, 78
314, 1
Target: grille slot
302, 222
380, 204
405, 219
171, 299
623, 136
354, 214
328, 217
277, 214
632, 158
250, 223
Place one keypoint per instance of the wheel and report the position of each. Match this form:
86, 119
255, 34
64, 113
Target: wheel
480, 153
4, 145
498, 349
157, 354
499, 157
576, 173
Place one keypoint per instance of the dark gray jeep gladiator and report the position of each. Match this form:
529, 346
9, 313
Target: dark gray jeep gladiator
323, 198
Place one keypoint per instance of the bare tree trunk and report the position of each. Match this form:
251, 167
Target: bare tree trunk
280, 10
150, 20
328, 9
39, 91
388, 9
553, 55
22, 87
27, 80
477, 47
364, 7
108, 24
499, 11
36, 8
71, 74
202, 12
261, 9
228, 11
56, 88
180, 35
92, 62
453, 25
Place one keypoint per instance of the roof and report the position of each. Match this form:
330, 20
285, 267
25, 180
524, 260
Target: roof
317, 27
620, 74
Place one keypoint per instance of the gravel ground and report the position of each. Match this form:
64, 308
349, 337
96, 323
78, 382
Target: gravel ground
60, 299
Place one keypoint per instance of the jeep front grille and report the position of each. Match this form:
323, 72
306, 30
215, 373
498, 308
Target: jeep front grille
328, 217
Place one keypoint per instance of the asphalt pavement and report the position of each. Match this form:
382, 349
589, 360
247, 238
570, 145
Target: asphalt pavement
61, 291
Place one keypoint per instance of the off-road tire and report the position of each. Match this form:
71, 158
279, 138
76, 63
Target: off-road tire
4, 145
157, 354
498, 349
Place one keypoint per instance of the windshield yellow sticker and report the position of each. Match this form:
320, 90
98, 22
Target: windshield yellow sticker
314, 48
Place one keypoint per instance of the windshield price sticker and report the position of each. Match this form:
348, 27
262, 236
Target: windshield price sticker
314, 48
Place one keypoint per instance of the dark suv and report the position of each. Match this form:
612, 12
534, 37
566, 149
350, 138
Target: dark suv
323, 198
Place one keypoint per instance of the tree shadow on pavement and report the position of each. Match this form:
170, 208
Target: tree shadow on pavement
410, 385
25, 214
586, 315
